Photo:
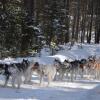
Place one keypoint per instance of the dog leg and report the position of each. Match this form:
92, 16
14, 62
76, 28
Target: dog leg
19, 81
6, 80
41, 79
13, 81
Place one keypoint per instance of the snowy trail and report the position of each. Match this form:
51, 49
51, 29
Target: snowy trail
79, 90
94, 94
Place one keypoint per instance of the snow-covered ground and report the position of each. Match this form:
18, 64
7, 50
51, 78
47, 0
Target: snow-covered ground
80, 89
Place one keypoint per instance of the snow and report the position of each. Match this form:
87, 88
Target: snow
80, 89
44, 60
78, 53
35, 28
57, 91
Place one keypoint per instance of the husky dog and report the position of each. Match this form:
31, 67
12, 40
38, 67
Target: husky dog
45, 70
15, 71
4, 71
18, 70
67, 67
62, 67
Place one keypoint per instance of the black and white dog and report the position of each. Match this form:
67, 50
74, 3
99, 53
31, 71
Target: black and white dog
15, 71
62, 68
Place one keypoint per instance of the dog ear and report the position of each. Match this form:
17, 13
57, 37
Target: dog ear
23, 59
